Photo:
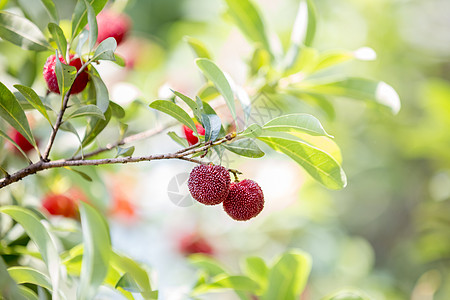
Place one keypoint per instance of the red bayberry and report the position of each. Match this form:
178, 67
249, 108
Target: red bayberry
50, 75
209, 184
245, 200
20, 140
60, 205
194, 243
189, 133
112, 24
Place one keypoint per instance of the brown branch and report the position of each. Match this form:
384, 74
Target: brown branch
44, 165
61, 114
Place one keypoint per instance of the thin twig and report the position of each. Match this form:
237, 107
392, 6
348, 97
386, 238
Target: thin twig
44, 165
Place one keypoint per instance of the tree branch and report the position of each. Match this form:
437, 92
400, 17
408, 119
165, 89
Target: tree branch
44, 165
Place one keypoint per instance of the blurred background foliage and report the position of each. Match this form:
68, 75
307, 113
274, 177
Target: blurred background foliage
387, 232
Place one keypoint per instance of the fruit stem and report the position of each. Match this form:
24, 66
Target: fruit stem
235, 174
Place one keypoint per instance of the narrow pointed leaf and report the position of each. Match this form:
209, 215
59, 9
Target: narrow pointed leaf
59, 38
105, 50
12, 112
198, 47
177, 139
245, 147
296, 122
174, 111
92, 22
125, 152
191, 103
212, 125
39, 235
304, 27
22, 32
95, 126
319, 164
8, 287
29, 275
253, 130
65, 75
97, 251
31, 96
101, 91
79, 18
213, 73
86, 111
51, 9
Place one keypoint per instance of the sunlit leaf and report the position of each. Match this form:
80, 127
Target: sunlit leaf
8, 287
288, 277
319, 164
30, 275
174, 111
191, 103
79, 18
86, 111
125, 152
208, 264
92, 22
245, 147
256, 269
177, 139
22, 32
296, 122
51, 9
199, 48
254, 130
65, 75
59, 38
237, 283
105, 50
97, 251
347, 295
12, 112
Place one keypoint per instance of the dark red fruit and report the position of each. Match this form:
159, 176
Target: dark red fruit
20, 140
50, 75
194, 243
189, 133
209, 184
112, 24
61, 205
245, 200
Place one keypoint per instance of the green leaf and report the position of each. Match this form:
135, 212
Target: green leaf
65, 75
95, 126
297, 123
135, 271
105, 50
213, 73
208, 92
199, 48
8, 287
254, 130
30, 275
245, 147
304, 27
119, 60
97, 251
39, 235
31, 96
300, 58
12, 112
237, 283
128, 284
207, 264
378, 92
319, 164
125, 152
347, 295
82, 174
174, 111
332, 58
79, 18
92, 22
248, 19
59, 38
14, 143
22, 32
101, 91
256, 269
28, 293
179, 140
288, 277
67, 126
191, 103
82, 39
86, 110
51, 9
116, 110
212, 125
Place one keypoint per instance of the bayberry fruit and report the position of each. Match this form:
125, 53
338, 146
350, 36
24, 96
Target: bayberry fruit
112, 24
20, 140
189, 133
245, 200
61, 205
194, 243
50, 75
209, 184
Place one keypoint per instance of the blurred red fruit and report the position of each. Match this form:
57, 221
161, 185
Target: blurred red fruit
189, 133
50, 75
194, 243
20, 140
61, 205
112, 24
122, 207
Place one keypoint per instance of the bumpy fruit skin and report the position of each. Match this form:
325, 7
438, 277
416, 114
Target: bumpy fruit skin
20, 140
189, 133
245, 200
50, 75
209, 184
194, 243
112, 24
60, 205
